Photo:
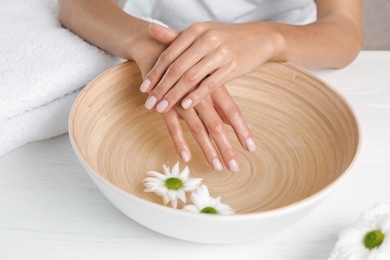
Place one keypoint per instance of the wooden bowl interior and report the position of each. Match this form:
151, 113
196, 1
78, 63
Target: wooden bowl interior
306, 136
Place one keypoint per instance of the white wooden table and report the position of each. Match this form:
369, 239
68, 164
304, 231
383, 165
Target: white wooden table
50, 209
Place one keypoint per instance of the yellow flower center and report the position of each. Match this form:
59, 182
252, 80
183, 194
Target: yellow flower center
209, 210
373, 239
173, 183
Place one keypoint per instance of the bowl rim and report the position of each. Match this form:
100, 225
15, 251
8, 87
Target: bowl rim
250, 215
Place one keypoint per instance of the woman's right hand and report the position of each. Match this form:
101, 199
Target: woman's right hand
206, 121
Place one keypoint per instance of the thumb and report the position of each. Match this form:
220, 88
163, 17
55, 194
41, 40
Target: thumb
163, 34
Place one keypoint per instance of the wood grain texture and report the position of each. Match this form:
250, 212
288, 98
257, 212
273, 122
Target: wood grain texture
306, 134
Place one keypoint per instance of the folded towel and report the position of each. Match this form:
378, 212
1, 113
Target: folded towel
42, 67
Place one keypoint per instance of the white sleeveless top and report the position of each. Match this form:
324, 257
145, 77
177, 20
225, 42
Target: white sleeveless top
180, 14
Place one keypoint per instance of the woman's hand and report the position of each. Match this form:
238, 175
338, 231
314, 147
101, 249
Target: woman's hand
206, 120
202, 58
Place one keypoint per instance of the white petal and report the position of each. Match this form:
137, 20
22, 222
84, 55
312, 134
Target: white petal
222, 206
226, 211
204, 196
185, 173
175, 169
166, 198
384, 223
156, 174
191, 208
350, 241
153, 189
197, 200
174, 203
181, 195
155, 182
214, 201
351, 233
358, 255
167, 171
161, 191
172, 195
365, 226
192, 184
222, 209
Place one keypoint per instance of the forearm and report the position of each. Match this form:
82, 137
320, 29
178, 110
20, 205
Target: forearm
334, 40
324, 44
104, 24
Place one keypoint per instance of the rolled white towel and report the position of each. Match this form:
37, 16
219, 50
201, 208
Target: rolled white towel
41, 64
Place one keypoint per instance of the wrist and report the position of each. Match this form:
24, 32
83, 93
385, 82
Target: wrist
276, 42
142, 47
137, 37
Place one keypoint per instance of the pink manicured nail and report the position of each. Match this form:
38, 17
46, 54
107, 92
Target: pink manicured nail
186, 103
150, 102
233, 166
162, 106
250, 144
217, 165
185, 156
144, 86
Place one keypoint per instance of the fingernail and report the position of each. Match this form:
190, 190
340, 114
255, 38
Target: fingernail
233, 166
185, 156
150, 102
250, 144
186, 103
144, 86
217, 165
162, 106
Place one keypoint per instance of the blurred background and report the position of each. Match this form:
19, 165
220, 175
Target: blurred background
376, 24
376, 21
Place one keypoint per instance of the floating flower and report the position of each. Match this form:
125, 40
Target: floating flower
367, 240
171, 185
203, 203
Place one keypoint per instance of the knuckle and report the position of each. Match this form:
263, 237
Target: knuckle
189, 77
209, 83
175, 68
198, 129
166, 57
158, 92
233, 65
212, 37
174, 130
223, 50
233, 112
216, 127
198, 27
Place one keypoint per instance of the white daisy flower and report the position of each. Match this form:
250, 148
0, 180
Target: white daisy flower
171, 185
368, 240
203, 203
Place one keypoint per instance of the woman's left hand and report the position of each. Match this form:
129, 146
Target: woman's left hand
204, 57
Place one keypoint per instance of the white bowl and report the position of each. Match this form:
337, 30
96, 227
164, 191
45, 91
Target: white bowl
307, 136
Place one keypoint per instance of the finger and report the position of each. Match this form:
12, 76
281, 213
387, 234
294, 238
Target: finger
219, 134
180, 71
188, 77
201, 135
163, 34
176, 132
207, 86
222, 115
226, 105
167, 57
